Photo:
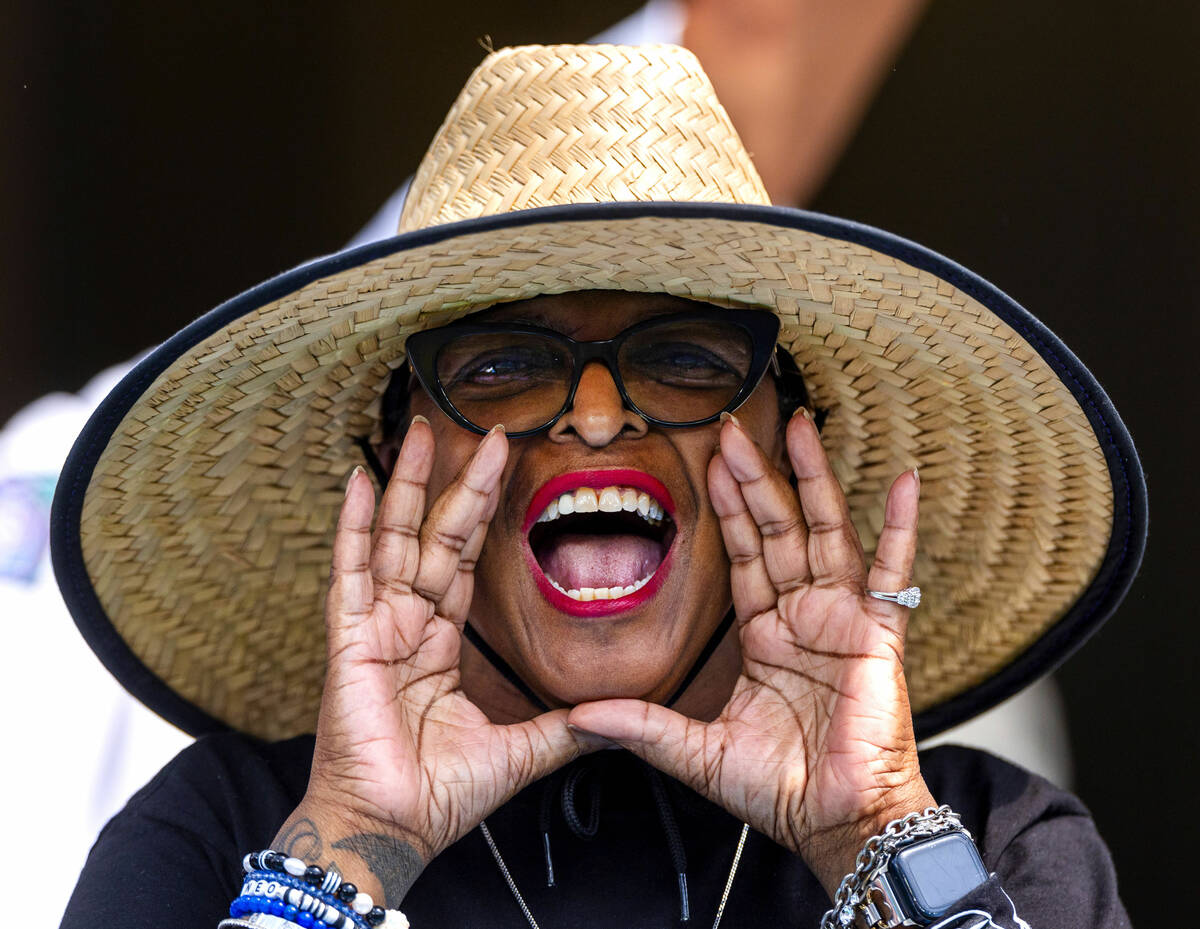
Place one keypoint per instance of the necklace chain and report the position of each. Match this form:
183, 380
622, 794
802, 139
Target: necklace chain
512, 884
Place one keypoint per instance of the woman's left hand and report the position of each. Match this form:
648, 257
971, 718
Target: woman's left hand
815, 747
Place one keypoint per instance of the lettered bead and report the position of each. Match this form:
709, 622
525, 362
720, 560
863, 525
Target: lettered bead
295, 867
362, 904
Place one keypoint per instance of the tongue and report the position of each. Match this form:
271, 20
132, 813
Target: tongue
577, 561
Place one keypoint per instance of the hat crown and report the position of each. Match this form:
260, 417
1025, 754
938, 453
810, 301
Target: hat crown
548, 125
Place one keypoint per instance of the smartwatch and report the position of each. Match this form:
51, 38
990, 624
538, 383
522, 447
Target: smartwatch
923, 878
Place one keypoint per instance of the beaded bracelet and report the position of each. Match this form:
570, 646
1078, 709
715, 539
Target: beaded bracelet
324, 887
325, 908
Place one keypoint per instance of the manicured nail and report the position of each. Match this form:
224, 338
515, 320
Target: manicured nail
419, 419
728, 417
353, 474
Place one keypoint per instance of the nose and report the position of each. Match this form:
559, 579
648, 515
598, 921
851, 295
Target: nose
598, 415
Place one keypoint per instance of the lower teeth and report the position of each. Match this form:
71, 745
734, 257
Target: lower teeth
602, 593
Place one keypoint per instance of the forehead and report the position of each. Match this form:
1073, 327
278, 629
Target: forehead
588, 314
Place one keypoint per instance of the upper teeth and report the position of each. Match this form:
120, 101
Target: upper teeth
604, 500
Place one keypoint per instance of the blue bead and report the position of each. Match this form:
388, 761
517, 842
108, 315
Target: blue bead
277, 907
305, 919
289, 913
234, 909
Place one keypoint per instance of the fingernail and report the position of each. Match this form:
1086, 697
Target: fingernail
419, 419
353, 474
804, 411
917, 475
728, 417
499, 427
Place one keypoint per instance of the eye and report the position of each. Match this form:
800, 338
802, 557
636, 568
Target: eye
490, 364
682, 364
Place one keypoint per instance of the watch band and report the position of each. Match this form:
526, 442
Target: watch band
875, 896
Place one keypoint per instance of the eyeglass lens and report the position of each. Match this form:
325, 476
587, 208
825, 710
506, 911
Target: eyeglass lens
676, 372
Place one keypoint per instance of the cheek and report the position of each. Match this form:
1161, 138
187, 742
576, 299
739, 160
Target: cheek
759, 416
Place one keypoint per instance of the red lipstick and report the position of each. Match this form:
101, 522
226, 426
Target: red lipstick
597, 480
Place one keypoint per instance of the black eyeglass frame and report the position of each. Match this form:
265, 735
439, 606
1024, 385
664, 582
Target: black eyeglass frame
761, 326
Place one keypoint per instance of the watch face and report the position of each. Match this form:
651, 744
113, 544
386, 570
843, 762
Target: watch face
933, 874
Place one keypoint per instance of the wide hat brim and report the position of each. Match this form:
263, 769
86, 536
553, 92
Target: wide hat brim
192, 526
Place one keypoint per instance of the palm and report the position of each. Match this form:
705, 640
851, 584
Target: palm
398, 741
818, 729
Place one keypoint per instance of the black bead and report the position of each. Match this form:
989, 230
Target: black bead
314, 874
375, 917
273, 861
347, 892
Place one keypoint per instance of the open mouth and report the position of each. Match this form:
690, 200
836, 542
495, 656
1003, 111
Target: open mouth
600, 541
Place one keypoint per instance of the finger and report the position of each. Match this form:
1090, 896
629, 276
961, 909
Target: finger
456, 514
542, 745
457, 599
753, 592
897, 548
395, 553
834, 552
659, 736
772, 503
351, 591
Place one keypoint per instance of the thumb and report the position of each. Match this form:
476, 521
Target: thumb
544, 744
670, 741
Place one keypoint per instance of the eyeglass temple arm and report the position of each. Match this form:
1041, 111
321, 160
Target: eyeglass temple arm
373, 462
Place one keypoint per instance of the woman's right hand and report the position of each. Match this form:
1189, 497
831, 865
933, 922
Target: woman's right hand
404, 763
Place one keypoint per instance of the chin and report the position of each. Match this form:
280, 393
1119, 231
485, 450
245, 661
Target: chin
590, 679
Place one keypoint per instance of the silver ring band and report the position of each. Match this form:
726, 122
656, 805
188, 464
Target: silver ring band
909, 596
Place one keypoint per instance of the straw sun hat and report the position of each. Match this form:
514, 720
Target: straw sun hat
194, 519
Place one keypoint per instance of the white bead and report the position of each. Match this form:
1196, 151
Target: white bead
362, 904
394, 920
294, 866
331, 916
294, 896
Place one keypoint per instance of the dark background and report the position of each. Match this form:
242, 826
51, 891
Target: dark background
157, 158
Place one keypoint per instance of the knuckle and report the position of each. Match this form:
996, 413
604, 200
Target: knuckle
789, 526
397, 531
453, 541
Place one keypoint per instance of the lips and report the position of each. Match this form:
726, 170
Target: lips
599, 542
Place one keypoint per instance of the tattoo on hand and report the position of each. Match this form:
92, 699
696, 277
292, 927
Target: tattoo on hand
302, 840
394, 862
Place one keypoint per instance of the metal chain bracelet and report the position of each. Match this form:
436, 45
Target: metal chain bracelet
852, 895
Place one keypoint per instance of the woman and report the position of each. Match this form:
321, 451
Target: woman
529, 599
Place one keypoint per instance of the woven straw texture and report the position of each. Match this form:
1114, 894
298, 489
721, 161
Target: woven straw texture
207, 525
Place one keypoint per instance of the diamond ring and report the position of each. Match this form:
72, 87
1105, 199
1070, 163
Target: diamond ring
909, 596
